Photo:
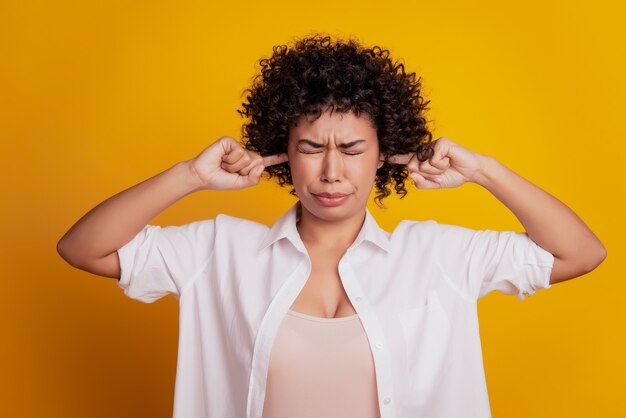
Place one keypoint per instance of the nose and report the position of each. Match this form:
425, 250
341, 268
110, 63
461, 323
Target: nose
332, 166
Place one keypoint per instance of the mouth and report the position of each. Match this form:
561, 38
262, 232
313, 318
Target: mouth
331, 199
330, 195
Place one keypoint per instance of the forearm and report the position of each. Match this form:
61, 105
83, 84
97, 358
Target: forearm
114, 222
548, 222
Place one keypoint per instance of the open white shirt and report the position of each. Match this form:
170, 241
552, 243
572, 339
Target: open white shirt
415, 291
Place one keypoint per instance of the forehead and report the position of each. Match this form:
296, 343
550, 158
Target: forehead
337, 126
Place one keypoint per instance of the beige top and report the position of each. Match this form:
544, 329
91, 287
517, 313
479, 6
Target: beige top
321, 367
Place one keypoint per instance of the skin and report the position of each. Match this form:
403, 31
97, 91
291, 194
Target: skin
225, 165
324, 157
547, 220
334, 153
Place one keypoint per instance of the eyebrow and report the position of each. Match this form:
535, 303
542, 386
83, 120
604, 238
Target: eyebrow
317, 145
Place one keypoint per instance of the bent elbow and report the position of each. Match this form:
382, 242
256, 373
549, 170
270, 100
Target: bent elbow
595, 261
61, 251
66, 254
602, 256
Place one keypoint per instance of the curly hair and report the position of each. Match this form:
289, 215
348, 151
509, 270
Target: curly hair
317, 74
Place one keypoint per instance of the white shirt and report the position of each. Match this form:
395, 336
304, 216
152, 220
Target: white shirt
415, 290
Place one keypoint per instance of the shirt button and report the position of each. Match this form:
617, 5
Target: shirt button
386, 401
358, 299
379, 344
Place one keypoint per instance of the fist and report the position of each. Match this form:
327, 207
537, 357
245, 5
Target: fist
449, 165
226, 165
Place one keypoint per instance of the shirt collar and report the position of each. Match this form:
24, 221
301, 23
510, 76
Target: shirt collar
285, 227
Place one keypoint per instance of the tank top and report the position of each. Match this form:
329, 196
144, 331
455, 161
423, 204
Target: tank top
321, 367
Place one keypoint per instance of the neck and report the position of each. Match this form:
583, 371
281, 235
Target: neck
339, 234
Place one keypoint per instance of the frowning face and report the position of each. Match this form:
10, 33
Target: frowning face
336, 154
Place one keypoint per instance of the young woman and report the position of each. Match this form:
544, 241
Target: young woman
325, 314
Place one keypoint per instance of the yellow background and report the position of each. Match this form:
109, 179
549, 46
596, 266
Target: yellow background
98, 96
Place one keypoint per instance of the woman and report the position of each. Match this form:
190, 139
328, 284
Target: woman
325, 313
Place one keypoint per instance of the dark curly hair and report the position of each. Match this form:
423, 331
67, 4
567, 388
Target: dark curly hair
317, 73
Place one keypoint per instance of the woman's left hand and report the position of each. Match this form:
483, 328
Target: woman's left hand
451, 165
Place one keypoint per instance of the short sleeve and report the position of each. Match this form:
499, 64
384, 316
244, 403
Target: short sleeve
162, 260
485, 260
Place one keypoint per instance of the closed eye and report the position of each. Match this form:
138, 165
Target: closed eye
316, 145
347, 153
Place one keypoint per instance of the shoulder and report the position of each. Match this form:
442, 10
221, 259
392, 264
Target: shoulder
234, 222
239, 230
429, 228
433, 234
221, 223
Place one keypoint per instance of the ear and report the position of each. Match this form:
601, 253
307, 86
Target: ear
381, 161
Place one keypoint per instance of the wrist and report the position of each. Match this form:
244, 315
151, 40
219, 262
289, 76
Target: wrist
192, 180
485, 173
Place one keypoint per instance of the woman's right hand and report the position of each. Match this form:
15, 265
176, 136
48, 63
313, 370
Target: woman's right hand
226, 165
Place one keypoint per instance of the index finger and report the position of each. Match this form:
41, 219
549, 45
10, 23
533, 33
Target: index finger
275, 159
400, 158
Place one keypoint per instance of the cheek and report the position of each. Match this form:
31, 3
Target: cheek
301, 169
363, 167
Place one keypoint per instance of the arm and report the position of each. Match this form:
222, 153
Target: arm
548, 222
91, 243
